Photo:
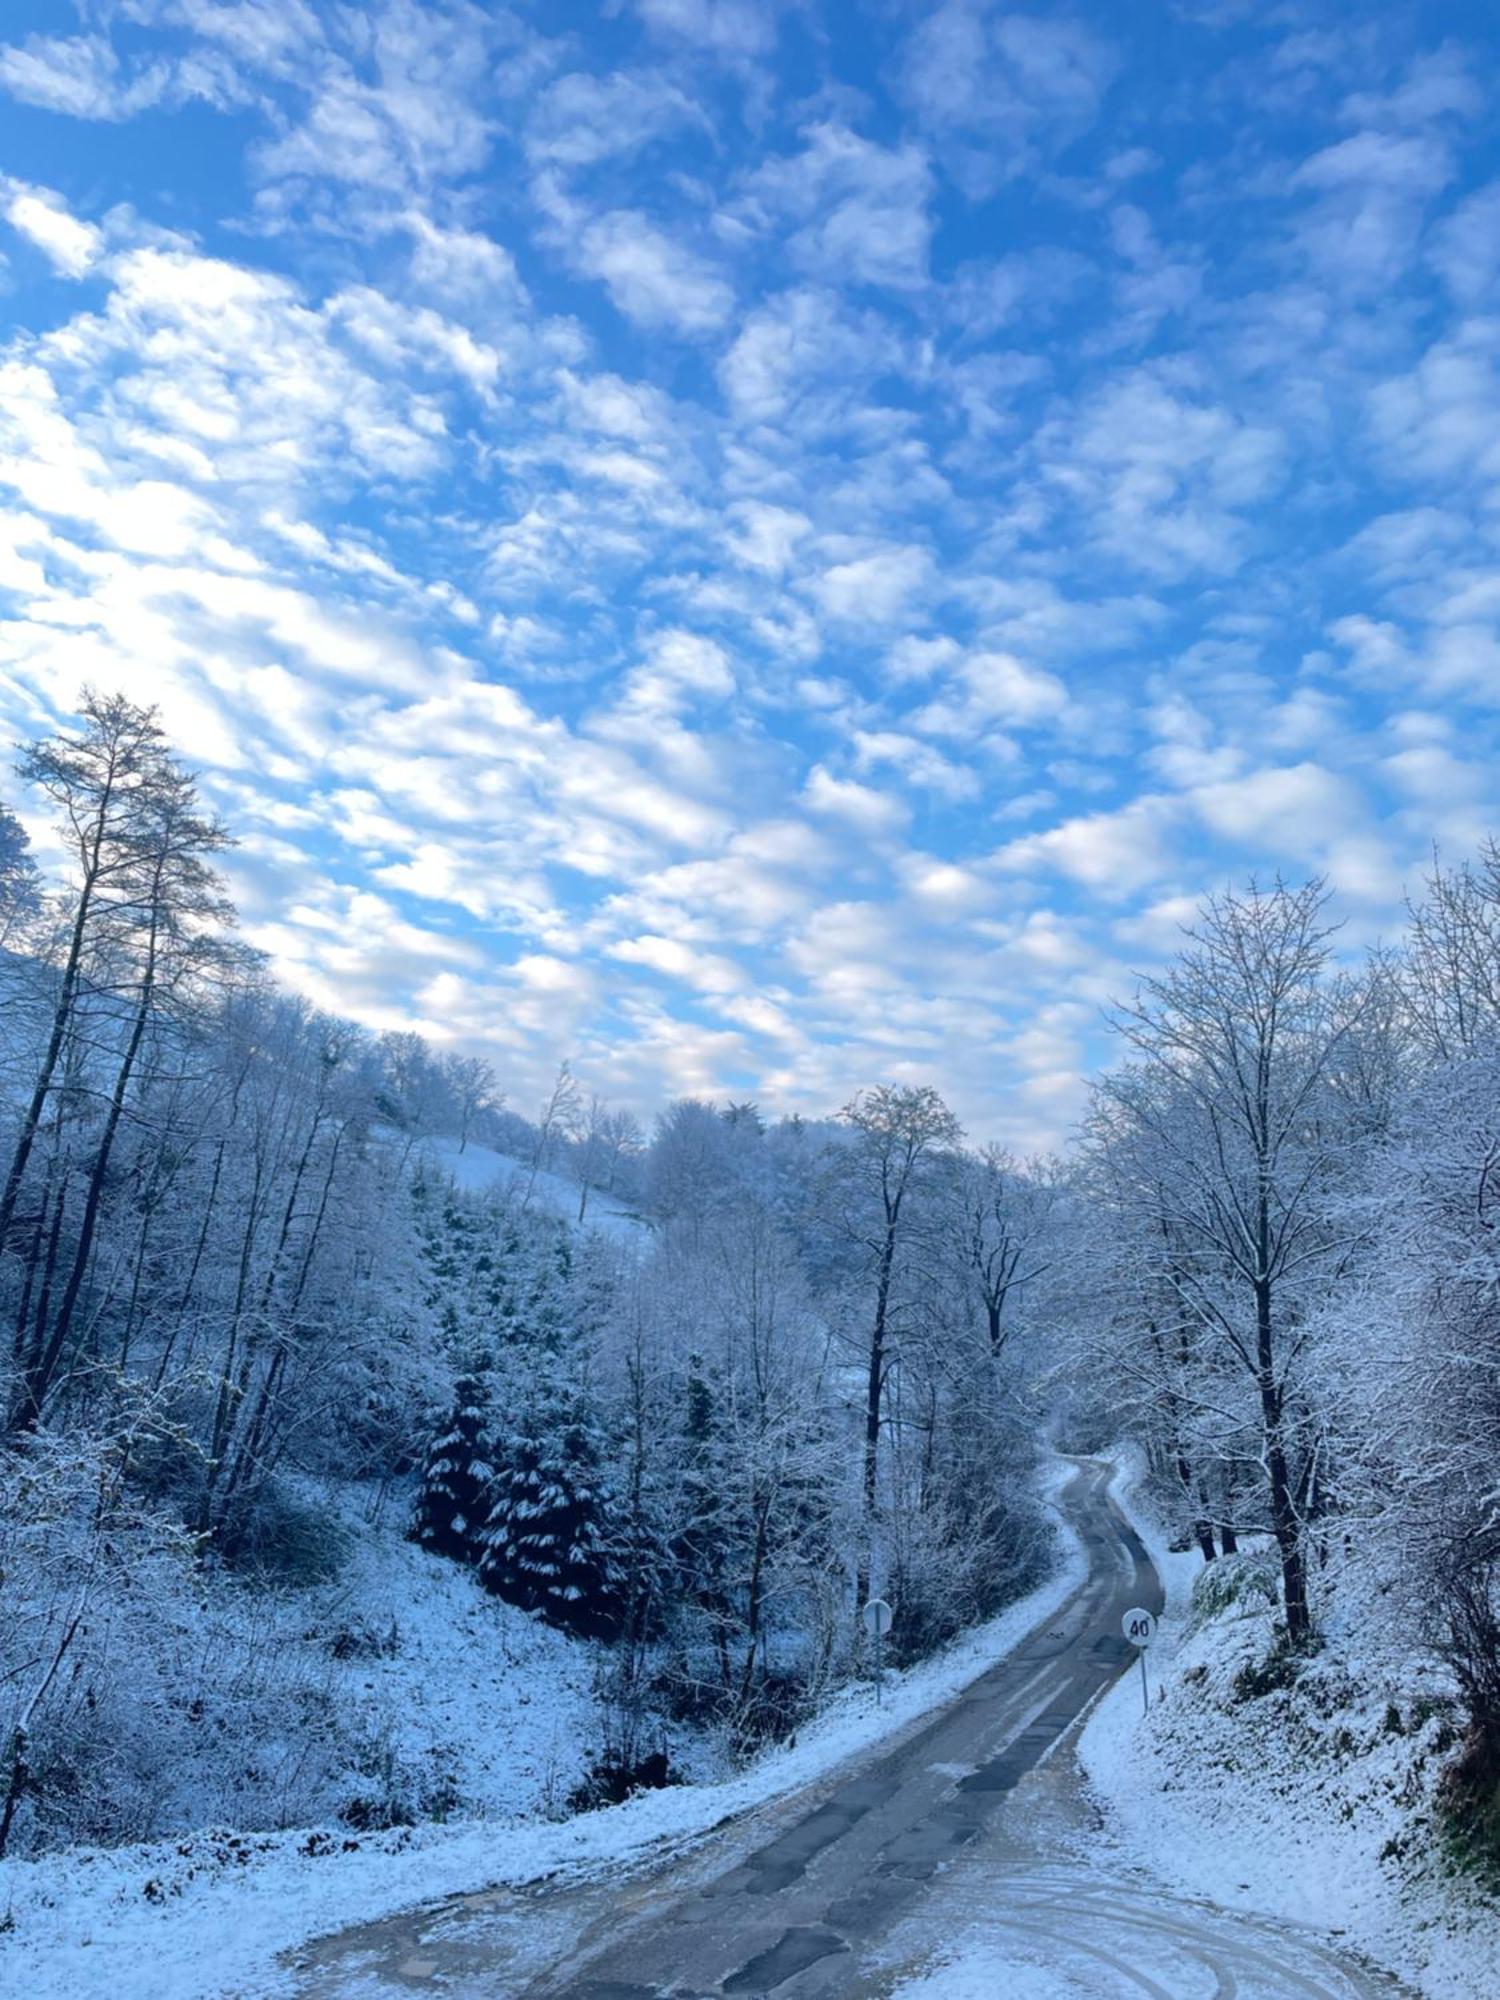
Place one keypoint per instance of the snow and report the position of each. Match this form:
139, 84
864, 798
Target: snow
1294, 1805
478, 1168
478, 1701
990, 1974
148, 1919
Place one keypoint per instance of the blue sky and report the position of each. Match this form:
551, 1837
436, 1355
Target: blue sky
760, 547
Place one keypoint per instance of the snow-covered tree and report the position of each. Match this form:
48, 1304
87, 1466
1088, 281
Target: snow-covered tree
456, 1496
20, 883
549, 1544
1236, 1045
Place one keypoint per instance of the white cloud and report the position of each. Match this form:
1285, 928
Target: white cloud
680, 667
1001, 90
1439, 419
917, 762
70, 246
728, 28
581, 120
1165, 479
764, 537
1296, 809
1465, 246
859, 209
1115, 853
875, 589
652, 278
861, 806
986, 690
79, 76
797, 343
707, 972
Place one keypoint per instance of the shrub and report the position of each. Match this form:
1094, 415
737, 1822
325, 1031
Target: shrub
1469, 1801
1258, 1678
281, 1541
612, 1779
1246, 1581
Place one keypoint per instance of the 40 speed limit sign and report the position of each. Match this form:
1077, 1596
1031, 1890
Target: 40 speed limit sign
1139, 1627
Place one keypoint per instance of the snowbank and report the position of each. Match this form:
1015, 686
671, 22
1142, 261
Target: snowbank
147, 1920
1306, 1804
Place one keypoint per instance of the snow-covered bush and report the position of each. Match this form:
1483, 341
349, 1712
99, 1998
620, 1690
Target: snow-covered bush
1245, 1581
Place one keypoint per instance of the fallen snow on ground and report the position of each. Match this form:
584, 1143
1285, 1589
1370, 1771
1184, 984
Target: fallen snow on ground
478, 1703
998, 1974
204, 1918
1309, 1804
478, 1168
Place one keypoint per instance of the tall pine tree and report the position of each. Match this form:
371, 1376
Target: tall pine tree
548, 1544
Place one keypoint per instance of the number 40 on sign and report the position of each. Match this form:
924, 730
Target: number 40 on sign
1139, 1628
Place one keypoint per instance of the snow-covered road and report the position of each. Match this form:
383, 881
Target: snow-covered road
1074, 1934
959, 1860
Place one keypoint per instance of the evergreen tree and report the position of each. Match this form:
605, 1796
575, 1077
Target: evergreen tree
547, 1547
454, 1503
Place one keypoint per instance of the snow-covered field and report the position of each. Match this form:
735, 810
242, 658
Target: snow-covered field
147, 1921
1310, 1806
477, 1168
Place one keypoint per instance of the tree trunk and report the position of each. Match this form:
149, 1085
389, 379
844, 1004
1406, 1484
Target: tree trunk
1203, 1532
62, 1015
874, 1394
1284, 1523
40, 1380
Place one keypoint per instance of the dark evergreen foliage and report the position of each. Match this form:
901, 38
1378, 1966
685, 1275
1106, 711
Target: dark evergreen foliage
548, 1546
454, 1503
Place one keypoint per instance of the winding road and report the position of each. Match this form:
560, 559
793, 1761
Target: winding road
968, 1837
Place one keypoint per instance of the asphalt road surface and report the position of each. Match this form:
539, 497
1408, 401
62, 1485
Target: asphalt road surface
967, 1836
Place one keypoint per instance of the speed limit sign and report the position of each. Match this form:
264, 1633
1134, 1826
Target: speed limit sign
1139, 1627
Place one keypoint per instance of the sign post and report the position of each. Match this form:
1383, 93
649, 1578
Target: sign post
877, 1622
1139, 1628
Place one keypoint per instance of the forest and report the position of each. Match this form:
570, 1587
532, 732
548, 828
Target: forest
690, 1395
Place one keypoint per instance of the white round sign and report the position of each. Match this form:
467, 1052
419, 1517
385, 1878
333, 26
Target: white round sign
1139, 1627
877, 1617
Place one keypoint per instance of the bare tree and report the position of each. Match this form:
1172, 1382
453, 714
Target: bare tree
899, 1133
608, 1138
1451, 969
20, 884
1002, 1232
471, 1081
559, 1121
105, 781
1245, 1030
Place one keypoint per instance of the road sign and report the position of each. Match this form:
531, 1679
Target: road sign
876, 1616
1139, 1628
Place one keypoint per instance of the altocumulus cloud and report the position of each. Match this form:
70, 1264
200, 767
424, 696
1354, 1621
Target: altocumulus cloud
762, 548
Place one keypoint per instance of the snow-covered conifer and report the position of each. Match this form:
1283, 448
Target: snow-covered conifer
453, 1505
547, 1547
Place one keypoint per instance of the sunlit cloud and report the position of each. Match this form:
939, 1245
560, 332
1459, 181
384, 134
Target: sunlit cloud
757, 557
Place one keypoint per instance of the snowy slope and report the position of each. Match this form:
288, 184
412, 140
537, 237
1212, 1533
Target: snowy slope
148, 1919
482, 1705
1308, 1806
478, 1168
